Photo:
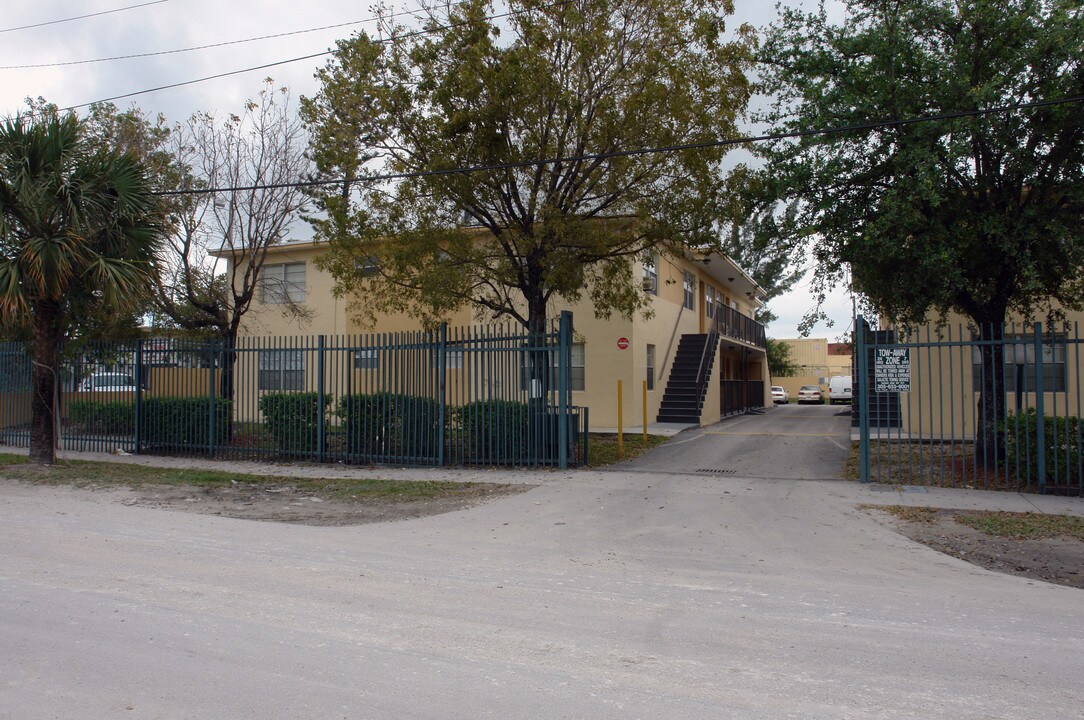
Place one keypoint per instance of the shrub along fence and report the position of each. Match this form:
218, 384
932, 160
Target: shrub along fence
959, 408
493, 395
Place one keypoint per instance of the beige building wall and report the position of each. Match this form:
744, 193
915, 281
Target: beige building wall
14, 409
943, 401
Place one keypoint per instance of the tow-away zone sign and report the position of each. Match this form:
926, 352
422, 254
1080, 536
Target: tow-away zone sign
892, 370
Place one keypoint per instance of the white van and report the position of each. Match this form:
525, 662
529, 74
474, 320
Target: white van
839, 389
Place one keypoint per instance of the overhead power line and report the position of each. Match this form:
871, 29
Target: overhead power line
872, 125
204, 47
381, 41
81, 17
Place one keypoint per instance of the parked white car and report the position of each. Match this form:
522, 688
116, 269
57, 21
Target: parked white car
839, 389
106, 381
780, 396
810, 394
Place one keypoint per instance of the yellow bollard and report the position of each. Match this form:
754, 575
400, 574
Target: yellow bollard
645, 413
620, 425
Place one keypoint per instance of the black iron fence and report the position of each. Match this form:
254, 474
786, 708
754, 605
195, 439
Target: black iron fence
995, 407
494, 395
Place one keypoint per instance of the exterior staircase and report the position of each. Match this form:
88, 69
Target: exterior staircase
688, 382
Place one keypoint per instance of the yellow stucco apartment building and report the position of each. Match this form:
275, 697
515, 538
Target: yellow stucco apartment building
693, 299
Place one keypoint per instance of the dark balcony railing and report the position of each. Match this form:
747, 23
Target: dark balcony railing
730, 323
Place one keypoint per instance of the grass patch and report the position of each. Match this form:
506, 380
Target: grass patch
9, 459
1024, 526
602, 448
1013, 525
79, 473
852, 465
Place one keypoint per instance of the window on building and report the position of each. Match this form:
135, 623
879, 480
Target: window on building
367, 359
689, 286
367, 266
282, 283
453, 359
651, 273
1023, 347
709, 301
577, 373
650, 367
281, 370
577, 370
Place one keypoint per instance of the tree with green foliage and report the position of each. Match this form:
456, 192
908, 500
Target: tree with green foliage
78, 231
577, 83
979, 213
779, 361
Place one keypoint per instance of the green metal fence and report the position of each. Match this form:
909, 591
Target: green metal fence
992, 408
493, 395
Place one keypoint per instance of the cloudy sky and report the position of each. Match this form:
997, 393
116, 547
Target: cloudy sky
160, 26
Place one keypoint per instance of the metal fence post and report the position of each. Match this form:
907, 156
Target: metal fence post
564, 345
1040, 410
442, 373
321, 409
138, 396
211, 399
863, 400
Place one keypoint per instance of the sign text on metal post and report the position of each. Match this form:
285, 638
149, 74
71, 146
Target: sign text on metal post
892, 370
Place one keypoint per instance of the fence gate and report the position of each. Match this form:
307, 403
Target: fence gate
994, 408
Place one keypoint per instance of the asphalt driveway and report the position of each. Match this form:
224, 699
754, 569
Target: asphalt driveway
787, 441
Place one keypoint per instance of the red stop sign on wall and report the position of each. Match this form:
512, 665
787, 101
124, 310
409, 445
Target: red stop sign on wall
623, 343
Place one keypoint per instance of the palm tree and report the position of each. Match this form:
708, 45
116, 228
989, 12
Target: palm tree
78, 235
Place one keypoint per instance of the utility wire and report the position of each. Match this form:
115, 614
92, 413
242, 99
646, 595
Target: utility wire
205, 47
197, 80
380, 41
872, 125
81, 17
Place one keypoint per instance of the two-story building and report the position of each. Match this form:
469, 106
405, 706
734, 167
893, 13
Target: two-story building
699, 355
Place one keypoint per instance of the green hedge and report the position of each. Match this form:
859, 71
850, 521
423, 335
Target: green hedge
103, 417
293, 419
1063, 448
494, 430
186, 421
387, 423
164, 421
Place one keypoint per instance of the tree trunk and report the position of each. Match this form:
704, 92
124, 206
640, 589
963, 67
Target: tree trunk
989, 444
228, 376
540, 360
229, 359
44, 382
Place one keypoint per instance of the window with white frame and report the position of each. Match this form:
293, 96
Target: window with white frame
577, 370
651, 273
1021, 349
650, 367
690, 291
281, 369
282, 283
709, 302
367, 359
453, 359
